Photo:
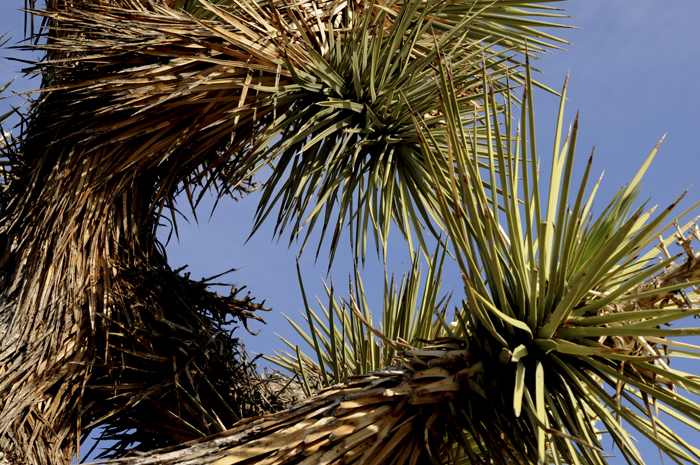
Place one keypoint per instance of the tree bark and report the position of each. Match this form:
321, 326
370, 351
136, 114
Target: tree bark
92, 320
401, 414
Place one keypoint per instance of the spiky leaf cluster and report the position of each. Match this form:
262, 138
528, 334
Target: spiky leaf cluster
565, 316
573, 306
346, 150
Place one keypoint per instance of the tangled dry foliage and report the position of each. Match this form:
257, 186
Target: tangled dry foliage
394, 415
104, 323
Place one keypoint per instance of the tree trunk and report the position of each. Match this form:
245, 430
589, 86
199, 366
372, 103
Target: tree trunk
92, 320
67, 239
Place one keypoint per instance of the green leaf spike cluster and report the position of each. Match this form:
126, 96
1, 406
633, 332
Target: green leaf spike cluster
348, 345
563, 292
346, 150
566, 312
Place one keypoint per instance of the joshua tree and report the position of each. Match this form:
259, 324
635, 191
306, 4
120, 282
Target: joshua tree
400, 112
560, 328
142, 101
532, 363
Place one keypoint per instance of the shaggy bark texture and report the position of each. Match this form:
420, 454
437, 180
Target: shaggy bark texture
93, 322
409, 414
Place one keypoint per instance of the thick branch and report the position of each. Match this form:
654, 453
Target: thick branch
388, 416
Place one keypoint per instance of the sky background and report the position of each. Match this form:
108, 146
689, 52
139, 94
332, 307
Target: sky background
634, 68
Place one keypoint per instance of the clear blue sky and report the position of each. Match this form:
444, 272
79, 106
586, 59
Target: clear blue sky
634, 67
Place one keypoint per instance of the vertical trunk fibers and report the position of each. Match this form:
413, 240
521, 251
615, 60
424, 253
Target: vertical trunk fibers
94, 325
93, 321
66, 238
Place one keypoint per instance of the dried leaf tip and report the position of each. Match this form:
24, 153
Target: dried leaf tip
674, 204
658, 144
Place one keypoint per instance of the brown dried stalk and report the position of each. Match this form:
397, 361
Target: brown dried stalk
686, 272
